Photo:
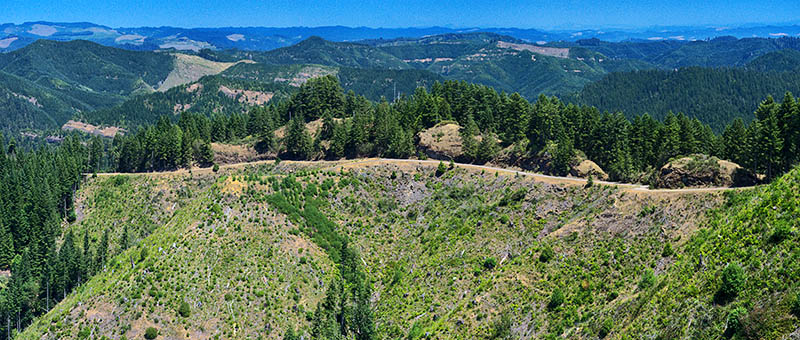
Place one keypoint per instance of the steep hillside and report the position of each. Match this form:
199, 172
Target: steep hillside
190, 68
47, 83
446, 254
787, 60
96, 75
209, 96
25, 105
371, 83
715, 96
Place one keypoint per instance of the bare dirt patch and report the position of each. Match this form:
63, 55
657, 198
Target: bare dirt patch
306, 73
233, 154
189, 68
587, 168
313, 128
703, 171
247, 96
549, 51
108, 131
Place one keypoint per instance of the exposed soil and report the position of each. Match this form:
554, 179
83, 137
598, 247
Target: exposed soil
247, 96
549, 51
703, 171
108, 131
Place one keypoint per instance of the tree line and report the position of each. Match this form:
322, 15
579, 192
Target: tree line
351, 126
36, 195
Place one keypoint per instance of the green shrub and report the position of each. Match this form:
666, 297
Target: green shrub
780, 233
648, 279
215, 168
184, 310
546, 255
501, 329
605, 328
441, 169
732, 282
733, 323
796, 305
290, 334
513, 197
667, 252
151, 333
489, 263
556, 299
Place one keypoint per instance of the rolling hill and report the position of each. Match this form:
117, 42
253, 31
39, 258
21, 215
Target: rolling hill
96, 75
721, 51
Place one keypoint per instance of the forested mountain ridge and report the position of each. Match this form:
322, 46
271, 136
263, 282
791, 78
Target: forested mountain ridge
316, 50
47, 83
716, 96
720, 51
787, 60
503, 62
371, 83
26, 105
97, 75
15, 36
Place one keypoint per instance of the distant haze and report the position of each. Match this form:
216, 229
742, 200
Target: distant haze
566, 14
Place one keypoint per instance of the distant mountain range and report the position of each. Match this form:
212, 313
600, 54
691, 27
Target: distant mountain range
15, 36
46, 83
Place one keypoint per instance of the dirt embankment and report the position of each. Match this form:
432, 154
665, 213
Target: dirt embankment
703, 171
442, 142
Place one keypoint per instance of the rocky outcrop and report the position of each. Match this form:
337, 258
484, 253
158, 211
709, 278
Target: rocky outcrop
703, 171
588, 168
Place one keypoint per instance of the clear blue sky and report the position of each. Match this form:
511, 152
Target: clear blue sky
417, 13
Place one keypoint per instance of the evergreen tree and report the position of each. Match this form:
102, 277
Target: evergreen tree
95, 154
102, 252
123, 240
515, 119
563, 156
203, 153
670, 138
339, 140
786, 119
401, 144
87, 266
487, 148
6, 248
298, 142
769, 143
469, 145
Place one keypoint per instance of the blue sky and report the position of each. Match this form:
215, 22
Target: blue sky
417, 13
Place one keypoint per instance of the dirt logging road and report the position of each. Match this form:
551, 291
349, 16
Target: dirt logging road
412, 163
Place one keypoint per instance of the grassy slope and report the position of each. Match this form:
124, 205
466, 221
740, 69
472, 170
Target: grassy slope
447, 256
